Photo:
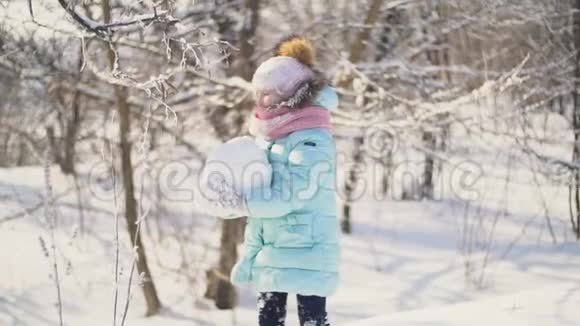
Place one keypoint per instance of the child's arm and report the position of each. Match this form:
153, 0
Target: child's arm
310, 166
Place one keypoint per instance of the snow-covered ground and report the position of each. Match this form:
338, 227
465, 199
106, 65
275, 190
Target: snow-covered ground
548, 305
408, 261
491, 260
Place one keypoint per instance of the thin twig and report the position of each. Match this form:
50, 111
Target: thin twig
116, 204
50, 215
30, 9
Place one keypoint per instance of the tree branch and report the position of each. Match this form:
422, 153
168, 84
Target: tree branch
104, 29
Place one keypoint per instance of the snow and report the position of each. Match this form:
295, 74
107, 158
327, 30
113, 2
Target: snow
16, 17
549, 305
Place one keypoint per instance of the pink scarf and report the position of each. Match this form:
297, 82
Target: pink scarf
278, 123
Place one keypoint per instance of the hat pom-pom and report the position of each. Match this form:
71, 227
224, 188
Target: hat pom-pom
297, 47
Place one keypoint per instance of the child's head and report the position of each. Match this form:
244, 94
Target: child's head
288, 79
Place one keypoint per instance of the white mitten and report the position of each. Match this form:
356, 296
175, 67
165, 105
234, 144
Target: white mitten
231, 171
221, 198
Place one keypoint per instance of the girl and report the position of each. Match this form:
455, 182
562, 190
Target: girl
291, 238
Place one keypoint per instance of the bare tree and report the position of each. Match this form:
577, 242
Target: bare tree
437, 57
575, 186
242, 64
125, 147
357, 49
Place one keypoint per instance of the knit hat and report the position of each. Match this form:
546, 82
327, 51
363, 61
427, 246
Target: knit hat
288, 79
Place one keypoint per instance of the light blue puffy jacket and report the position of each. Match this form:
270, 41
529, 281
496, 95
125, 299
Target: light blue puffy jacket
292, 235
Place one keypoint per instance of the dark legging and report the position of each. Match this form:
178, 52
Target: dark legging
272, 305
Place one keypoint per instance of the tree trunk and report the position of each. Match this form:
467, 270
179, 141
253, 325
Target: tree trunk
391, 21
68, 166
356, 51
22, 154
350, 185
53, 145
575, 187
387, 163
440, 58
219, 287
72, 127
131, 215
429, 142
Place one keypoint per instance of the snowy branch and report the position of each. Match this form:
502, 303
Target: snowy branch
104, 29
